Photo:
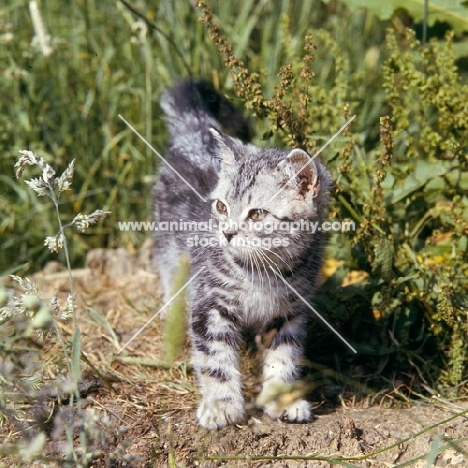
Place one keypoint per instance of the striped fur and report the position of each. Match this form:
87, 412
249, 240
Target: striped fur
239, 288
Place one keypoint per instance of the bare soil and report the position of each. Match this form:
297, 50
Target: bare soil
150, 407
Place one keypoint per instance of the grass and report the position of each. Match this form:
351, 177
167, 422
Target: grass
397, 287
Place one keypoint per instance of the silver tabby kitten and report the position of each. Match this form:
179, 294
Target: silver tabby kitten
246, 241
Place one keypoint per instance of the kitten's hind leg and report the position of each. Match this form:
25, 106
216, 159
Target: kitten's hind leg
281, 368
215, 356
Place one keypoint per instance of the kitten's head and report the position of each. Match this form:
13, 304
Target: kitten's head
265, 198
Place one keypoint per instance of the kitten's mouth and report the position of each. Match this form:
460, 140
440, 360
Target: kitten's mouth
261, 264
263, 258
237, 247
234, 248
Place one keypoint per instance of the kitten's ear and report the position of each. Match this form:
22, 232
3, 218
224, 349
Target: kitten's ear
226, 154
299, 171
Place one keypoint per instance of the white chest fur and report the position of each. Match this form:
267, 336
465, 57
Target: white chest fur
262, 299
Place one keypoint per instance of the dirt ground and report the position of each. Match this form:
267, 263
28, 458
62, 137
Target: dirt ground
148, 408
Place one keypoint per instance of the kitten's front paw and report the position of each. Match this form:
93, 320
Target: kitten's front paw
215, 414
297, 412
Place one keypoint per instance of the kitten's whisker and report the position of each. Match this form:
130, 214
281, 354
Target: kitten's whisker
281, 259
257, 265
277, 273
270, 262
252, 268
261, 257
278, 255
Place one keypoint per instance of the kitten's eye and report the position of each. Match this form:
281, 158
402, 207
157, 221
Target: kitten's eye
257, 214
221, 206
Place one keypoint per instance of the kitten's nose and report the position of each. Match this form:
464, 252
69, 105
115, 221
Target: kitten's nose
228, 235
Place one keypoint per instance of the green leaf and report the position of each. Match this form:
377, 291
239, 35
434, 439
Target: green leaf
175, 323
454, 12
389, 181
384, 259
423, 172
435, 450
13, 269
458, 178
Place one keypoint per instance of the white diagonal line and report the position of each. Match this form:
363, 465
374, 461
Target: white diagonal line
160, 157
313, 157
313, 310
159, 311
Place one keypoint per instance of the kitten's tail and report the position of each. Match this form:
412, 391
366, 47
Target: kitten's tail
192, 104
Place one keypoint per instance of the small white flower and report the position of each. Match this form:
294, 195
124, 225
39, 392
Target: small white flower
98, 214
54, 243
28, 286
28, 158
82, 222
64, 181
48, 175
54, 305
39, 186
70, 308
5, 314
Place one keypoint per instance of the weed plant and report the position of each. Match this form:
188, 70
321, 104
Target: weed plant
44, 320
